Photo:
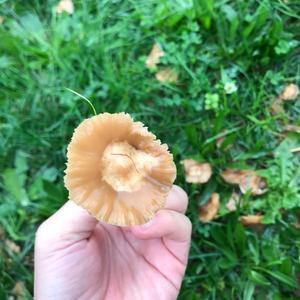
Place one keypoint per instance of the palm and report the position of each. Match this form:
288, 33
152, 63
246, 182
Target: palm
126, 267
77, 257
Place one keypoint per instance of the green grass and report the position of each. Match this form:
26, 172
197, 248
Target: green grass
100, 52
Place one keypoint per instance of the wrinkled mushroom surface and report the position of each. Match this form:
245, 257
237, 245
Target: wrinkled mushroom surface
117, 170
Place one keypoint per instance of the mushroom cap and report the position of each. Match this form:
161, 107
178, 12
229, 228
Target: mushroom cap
117, 170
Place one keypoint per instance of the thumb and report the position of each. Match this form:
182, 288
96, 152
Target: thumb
69, 224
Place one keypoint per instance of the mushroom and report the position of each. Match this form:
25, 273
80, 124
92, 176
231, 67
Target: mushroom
117, 170
196, 172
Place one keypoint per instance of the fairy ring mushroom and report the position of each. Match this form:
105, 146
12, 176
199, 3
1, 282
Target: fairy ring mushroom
117, 170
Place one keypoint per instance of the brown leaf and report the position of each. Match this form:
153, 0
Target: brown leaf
2, 233
277, 106
297, 225
12, 246
65, 6
210, 209
251, 220
168, 75
154, 56
220, 140
19, 290
290, 92
196, 172
292, 128
246, 179
253, 182
233, 202
233, 176
1, 20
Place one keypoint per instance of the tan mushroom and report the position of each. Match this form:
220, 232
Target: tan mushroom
117, 170
196, 172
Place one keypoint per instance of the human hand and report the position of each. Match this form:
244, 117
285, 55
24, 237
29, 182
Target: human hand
78, 257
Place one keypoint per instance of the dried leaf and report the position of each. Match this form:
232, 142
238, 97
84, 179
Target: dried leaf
297, 225
154, 56
277, 106
2, 233
233, 176
292, 128
251, 220
246, 179
12, 246
196, 172
19, 290
220, 140
167, 75
209, 211
65, 6
1, 20
290, 92
233, 202
253, 182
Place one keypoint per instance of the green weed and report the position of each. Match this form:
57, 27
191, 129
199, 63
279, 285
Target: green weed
232, 59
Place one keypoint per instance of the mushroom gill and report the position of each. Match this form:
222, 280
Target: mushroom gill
117, 170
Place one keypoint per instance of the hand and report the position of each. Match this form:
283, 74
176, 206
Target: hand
77, 257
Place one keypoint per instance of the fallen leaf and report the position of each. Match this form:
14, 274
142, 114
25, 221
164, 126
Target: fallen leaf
19, 290
233, 202
12, 246
220, 140
233, 176
292, 128
2, 233
253, 182
297, 225
210, 209
277, 106
154, 56
246, 179
1, 20
167, 75
251, 220
196, 172
290, 92
65, 6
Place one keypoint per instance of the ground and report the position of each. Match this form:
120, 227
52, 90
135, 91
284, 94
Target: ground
229, 61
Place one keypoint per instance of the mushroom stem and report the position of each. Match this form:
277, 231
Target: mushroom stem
127, 171
129, 158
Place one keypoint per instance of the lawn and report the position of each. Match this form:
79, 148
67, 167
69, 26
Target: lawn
225, 104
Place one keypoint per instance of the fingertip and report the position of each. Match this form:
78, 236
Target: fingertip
181, 194
177, 200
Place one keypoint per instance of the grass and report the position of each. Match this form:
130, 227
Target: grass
100, 52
